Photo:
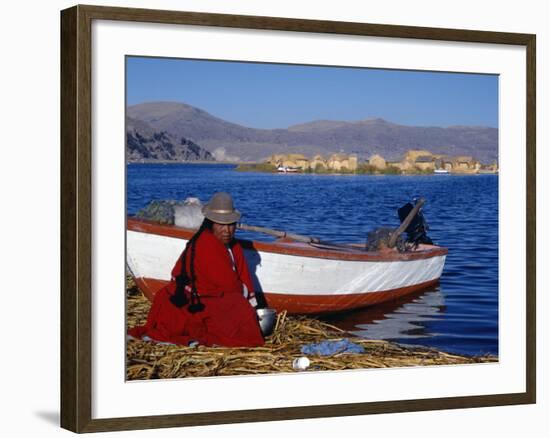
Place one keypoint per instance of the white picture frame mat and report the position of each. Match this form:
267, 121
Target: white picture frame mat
112, 396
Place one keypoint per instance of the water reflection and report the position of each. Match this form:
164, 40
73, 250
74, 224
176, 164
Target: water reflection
402, 319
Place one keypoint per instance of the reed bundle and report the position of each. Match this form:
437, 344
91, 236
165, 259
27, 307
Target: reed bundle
149, 360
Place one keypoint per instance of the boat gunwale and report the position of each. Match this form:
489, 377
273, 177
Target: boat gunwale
291, 249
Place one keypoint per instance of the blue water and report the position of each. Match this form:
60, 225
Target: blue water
460, 315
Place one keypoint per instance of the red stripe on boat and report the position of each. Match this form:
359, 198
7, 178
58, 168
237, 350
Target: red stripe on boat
304, 304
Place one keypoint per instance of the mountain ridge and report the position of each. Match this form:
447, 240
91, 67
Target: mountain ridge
144, 143
363, 137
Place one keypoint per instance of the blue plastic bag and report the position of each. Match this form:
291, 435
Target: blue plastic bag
329, 348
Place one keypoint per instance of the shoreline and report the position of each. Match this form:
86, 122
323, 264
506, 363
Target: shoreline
252, 168
190, 162
149, 360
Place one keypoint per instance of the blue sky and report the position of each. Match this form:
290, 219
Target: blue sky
280, 95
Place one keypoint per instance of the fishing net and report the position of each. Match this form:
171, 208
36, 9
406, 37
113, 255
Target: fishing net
186, 214
416, 230
379, 239
158, 211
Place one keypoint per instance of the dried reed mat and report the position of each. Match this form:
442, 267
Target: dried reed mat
149, 360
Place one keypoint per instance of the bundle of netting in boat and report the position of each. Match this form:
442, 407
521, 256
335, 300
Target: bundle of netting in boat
186, 214
379, 239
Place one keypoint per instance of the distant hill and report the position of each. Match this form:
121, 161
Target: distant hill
365, 137
145, 143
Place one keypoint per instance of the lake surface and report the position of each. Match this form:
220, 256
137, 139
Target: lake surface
460, 315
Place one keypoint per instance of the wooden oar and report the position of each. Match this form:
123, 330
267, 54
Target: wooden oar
405, 223
297, 237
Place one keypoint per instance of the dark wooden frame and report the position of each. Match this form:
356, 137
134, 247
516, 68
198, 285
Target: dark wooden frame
76, 243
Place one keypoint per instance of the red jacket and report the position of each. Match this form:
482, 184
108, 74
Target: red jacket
227, 319
214, 270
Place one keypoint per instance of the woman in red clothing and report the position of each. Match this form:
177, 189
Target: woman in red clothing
210, 299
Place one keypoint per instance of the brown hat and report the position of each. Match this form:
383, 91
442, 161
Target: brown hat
220, 209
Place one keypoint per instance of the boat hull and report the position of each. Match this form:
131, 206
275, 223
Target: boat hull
293, 276
310, 304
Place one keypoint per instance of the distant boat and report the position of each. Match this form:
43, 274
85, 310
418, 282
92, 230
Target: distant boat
441, 171
294, 276
287, 169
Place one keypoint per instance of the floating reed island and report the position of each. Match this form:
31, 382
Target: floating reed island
149, 360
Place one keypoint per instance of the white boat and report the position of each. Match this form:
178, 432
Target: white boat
294, 276
441, 171
287, 169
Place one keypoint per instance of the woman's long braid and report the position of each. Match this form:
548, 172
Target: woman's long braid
195, 305
179, 299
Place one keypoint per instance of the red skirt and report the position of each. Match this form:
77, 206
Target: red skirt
228, 320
